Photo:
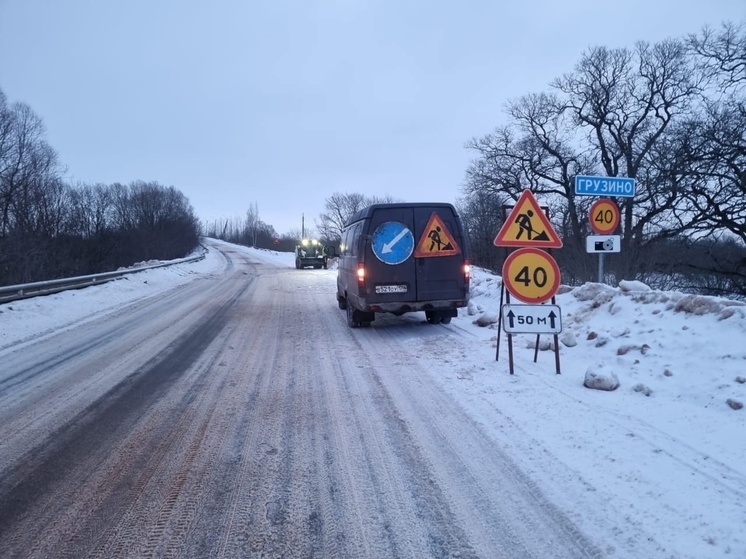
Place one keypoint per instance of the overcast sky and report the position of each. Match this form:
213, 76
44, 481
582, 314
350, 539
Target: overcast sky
281, 103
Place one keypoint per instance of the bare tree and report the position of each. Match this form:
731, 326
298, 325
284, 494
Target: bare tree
340, 208
150, 221
712, 142
24, 156
49, 229
252, 223
609, 116
32, 195
88, 210
481, 216
626, 100
722, 54
542, 151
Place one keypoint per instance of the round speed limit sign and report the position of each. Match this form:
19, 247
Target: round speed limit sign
531, 275
604, 217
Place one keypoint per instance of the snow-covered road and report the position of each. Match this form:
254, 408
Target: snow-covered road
238, 416
224, 409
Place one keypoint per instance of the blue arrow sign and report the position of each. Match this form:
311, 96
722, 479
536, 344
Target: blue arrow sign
392, 242
604, 186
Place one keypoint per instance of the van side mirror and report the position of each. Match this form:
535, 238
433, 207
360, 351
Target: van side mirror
331, 251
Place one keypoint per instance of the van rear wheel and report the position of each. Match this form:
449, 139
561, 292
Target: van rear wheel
438, 317
356, 318
351, 316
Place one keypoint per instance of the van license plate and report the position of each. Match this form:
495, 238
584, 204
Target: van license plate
391, 288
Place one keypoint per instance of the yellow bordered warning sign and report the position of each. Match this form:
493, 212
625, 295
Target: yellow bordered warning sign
436, 240
527, 226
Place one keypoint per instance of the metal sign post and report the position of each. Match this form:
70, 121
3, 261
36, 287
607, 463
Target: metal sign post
500, 321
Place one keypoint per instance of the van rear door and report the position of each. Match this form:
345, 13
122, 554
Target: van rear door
389, 264
439, 255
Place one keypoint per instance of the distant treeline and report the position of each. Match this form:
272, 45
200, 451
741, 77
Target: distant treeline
51, 229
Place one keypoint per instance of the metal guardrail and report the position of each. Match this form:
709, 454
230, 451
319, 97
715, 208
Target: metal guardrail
27, 290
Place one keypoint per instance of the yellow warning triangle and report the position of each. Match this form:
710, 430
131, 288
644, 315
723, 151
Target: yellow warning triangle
436, 240
527, 226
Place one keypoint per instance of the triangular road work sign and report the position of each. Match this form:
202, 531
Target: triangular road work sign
527, 226
436, 240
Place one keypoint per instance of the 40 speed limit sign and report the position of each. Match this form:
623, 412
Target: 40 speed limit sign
531, 275
604, 217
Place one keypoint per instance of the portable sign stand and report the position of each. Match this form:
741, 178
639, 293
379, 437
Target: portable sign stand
538, 277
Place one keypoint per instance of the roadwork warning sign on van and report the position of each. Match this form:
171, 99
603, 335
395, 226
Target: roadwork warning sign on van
436, 240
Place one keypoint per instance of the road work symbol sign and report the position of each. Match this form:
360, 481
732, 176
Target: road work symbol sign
527, 226
392, 242
436, 240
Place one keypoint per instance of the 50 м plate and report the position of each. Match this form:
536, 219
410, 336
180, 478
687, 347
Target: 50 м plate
532, 319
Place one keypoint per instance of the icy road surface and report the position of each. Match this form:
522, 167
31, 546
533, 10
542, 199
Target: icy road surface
238, 416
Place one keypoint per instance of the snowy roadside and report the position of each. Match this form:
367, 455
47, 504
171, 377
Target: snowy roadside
665, 451
29, 319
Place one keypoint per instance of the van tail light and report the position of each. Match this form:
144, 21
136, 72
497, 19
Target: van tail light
361, 275
467, 272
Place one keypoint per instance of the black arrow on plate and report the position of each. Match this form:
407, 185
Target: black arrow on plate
511, 316
552, 316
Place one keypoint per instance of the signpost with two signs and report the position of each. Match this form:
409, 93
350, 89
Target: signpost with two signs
530, 274
604, 213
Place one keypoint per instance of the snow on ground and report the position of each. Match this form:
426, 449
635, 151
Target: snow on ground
665, 451
30, 319
667, 447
